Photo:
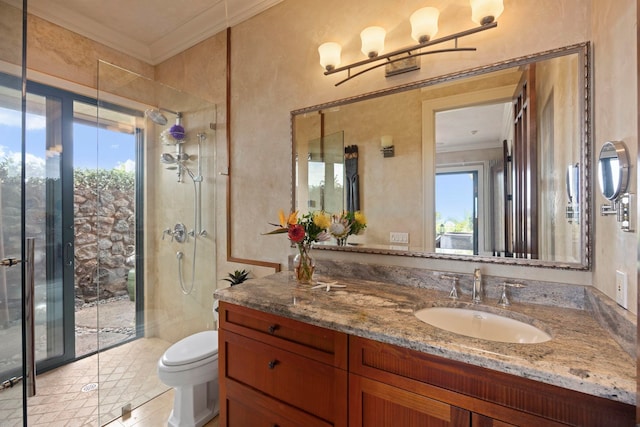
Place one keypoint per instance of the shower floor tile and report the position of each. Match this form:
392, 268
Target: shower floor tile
68, 396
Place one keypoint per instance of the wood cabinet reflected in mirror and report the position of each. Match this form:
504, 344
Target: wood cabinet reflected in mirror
479, 170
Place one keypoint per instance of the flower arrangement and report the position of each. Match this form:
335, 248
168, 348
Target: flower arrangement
310, 227
346, 224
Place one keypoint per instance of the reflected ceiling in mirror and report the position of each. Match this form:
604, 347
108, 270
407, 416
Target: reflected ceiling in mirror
478, 169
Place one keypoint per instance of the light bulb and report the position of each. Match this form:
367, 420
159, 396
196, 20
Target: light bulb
484, 12
329, 55
372, 41
424, 24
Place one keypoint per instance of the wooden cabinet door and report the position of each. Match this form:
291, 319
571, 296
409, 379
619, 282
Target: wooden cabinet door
375, 404
478, 420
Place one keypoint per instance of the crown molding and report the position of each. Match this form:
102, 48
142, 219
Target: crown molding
91, 29
206, 25
203, 26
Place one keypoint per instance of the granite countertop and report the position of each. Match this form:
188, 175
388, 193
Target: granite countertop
581, 356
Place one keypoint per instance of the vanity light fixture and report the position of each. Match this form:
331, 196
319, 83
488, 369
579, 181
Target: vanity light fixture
424, 26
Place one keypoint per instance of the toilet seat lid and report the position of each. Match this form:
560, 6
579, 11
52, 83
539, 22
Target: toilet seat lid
192, 349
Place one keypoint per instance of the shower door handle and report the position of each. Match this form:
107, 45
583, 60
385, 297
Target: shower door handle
28, 311
29, 317
68, 254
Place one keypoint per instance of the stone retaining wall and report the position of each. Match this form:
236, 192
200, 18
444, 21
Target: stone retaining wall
104, 239
104, 242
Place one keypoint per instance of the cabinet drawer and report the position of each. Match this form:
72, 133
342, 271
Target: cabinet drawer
314, 387
317, 343
246, 407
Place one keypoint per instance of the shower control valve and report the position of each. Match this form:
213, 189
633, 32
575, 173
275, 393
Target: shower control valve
180, 232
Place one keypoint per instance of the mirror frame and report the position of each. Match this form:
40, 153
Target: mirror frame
583, 51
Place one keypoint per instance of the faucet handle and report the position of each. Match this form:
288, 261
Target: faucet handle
514, 285
167, 231
453, 294
504, 300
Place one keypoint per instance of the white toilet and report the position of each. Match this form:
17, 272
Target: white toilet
190, 366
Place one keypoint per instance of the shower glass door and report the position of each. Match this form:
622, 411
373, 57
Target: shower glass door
11, 328
174, 274
12, 61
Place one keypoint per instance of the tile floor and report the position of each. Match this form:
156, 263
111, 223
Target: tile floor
67, 396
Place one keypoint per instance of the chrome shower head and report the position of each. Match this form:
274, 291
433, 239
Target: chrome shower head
156, 116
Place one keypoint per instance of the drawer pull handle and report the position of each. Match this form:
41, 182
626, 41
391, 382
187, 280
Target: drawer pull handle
273, 329
272, 364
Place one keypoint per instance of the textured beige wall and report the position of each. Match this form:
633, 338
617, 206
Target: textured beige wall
10, 34
391, 193
59, 52
275, 70
615, 118
199, 70
558, 89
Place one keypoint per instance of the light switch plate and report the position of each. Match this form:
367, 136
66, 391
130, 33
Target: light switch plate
397, 237
621, 288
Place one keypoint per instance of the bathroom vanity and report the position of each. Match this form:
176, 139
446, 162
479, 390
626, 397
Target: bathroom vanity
357, 356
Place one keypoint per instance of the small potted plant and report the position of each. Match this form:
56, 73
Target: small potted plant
237, 277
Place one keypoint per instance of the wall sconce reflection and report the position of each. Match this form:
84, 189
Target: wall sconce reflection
424, 26
386, 141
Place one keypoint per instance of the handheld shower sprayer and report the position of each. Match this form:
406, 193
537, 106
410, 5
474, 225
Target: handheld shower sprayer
178, 159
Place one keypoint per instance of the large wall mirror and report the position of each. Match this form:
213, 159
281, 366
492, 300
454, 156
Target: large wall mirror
490, 164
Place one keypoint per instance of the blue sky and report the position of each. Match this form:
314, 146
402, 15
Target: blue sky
454, 196
114, 149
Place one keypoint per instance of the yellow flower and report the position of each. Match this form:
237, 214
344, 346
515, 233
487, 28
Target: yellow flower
293, 218
321, 220
359, 218
286, 221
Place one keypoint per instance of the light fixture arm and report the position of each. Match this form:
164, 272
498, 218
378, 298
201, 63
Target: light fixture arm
388, 56
391, 61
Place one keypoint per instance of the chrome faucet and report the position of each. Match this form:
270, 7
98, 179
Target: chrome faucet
477, 286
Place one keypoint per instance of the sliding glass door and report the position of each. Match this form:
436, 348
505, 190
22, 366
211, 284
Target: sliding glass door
80, 209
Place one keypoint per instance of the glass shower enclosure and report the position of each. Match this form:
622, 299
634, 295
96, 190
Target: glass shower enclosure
82, 177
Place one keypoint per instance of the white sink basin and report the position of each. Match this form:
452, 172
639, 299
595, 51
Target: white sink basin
483, 325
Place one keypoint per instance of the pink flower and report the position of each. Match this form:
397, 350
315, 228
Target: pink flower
296, 233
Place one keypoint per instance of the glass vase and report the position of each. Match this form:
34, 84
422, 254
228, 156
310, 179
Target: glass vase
303, 264
342, 241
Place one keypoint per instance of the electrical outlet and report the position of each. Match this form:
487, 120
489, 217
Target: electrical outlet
397, 237
621, 288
